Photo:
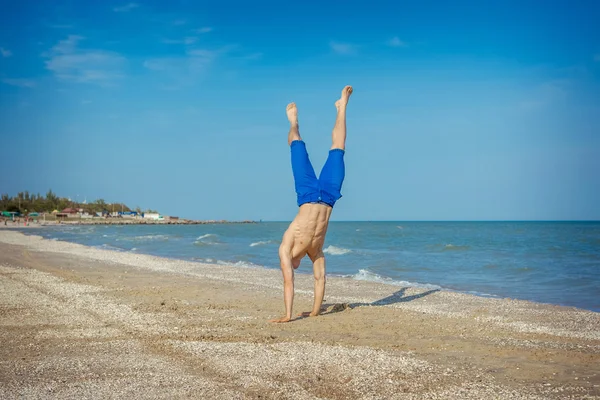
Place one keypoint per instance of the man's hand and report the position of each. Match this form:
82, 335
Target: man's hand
308, 314
280, 320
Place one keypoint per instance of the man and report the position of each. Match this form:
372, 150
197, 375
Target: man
316, 198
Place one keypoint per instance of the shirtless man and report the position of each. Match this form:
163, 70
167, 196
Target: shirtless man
316, 198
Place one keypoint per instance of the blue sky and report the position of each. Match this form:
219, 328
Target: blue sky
461, 110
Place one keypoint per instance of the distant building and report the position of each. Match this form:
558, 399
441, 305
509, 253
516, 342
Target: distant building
68, 213
154, 216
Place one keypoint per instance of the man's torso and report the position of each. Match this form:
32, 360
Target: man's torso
306, 233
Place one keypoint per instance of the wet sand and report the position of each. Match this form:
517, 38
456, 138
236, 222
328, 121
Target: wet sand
79, 322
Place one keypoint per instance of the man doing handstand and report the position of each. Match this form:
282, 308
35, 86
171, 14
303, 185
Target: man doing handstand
316, 198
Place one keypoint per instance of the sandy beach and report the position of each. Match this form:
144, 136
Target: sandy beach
79, 322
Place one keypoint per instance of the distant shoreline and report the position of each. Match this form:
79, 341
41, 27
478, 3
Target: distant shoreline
119, 221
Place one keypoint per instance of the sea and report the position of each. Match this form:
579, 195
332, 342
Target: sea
547, 262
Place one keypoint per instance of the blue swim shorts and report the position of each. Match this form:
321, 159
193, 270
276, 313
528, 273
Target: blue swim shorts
309, 189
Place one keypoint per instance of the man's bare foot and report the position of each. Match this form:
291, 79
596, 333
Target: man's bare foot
343, 101
280, 320
292, 113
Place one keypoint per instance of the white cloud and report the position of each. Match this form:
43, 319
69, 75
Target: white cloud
26, 83
186, 40
343, 48
194, 62
71, 63
396, 42
185, 70
5, 53
205, 29
208, 54
125, 8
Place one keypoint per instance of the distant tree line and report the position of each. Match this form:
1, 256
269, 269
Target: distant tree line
24, 202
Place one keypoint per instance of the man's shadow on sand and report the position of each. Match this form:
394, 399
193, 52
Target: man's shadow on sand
396, 297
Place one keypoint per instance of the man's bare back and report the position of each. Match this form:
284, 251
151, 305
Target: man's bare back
316, 198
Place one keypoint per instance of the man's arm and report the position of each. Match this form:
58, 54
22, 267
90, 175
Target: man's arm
288, 284
319, 273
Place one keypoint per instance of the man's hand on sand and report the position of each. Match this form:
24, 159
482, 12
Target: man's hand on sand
308, 314
280, 320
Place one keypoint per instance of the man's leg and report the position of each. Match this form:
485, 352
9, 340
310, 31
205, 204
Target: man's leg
338, 135
333, 172
305, 179
292, 114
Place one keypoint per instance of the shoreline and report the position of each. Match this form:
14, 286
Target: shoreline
375, 278
371, 277
125, 221
79, 321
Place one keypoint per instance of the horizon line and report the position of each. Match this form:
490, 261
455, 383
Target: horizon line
452, 220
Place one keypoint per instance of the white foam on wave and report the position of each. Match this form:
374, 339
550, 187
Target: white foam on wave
243, 264
208, 235
336, 251
451, 246
107, 246
207, 240
366, 275
262, 243
144, 238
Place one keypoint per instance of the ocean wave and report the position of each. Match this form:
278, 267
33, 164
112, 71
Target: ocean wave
106, 246
208, 235
243, 264
262, 243
336, 251
481, 294
455, 247
145, 238
207, 240
366, 275
204, 260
